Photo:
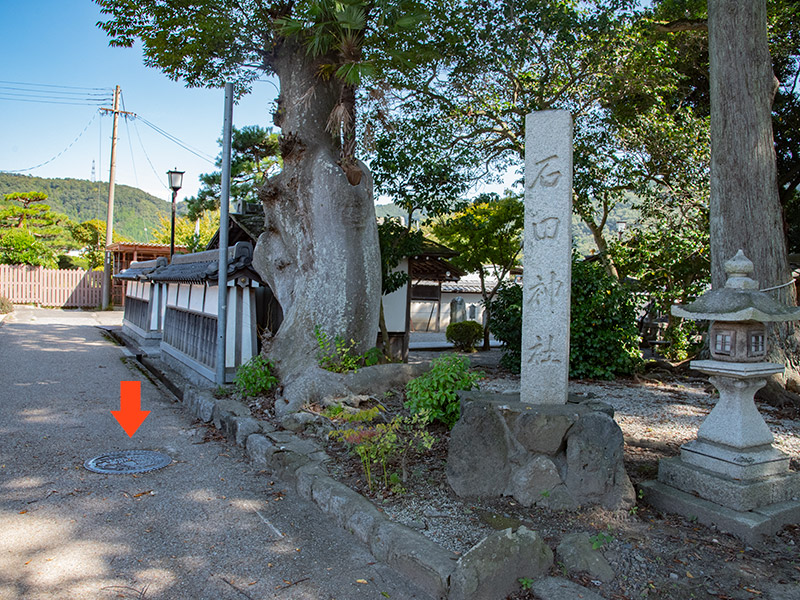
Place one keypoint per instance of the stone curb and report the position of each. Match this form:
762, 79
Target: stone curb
302, 461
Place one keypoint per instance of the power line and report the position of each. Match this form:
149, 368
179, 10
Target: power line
94, 116
50, 85
87, 103
149, 162
177, 141
87, 94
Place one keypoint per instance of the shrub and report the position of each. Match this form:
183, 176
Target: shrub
5, 305
385, 444
505, 323
340, 356
435, 392
604, 339
464, 335
255, 377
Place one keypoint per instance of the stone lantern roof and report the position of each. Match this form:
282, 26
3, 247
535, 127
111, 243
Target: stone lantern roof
739, 300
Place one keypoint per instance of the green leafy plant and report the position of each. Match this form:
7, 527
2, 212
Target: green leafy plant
5, 305
435, 392
255, 377
525, 583
600, 540
505, 323
340, 356
464, 335
604, 339
384, 444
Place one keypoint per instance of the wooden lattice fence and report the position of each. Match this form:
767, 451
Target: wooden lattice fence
23, 284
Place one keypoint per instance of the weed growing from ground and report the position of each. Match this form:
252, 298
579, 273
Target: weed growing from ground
255, 377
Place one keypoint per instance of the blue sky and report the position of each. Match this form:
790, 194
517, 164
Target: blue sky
57, 43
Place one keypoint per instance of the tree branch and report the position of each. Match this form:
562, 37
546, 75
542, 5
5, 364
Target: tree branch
682, 25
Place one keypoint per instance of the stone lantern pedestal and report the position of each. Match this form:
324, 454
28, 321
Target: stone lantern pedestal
732, 476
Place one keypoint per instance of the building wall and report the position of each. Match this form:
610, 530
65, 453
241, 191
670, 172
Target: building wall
394, 305
472, 301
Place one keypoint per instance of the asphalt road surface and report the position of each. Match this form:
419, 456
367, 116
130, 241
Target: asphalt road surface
210, 526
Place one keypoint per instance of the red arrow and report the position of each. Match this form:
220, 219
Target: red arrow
130, 414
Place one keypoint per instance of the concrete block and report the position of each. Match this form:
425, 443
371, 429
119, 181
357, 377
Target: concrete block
225, 406
424, 563
238, 429
306, 476
750, 526
732, 493
200, 403
736, 463
363, 520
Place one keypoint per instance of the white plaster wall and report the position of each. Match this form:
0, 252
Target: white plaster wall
421, 312
172, 294
183, 295
196, 297
470, 299
211, 306
394, 305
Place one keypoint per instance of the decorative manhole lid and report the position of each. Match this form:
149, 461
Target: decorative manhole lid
128, 461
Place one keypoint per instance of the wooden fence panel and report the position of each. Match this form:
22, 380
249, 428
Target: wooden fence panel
68, 288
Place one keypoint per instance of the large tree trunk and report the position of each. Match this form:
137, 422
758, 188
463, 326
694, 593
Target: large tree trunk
745, 209
319, 253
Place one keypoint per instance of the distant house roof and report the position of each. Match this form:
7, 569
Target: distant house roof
196, 268
141, 270
245, 227
147, 248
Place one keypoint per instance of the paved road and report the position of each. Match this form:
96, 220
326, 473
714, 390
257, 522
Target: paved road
208, 527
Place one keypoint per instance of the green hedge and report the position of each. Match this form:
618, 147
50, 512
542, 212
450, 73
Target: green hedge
604, 338
464, 335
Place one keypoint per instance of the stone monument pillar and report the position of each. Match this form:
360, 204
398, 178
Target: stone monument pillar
547, 260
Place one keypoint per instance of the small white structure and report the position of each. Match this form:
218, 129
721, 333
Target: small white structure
190, 299
144, 302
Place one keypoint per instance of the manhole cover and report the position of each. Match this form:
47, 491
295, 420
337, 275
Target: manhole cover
128, 461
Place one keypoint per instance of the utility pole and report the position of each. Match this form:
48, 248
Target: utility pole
109, 263
222, 274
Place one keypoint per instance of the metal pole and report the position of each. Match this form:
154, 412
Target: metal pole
108, 264
172, 227
222, 280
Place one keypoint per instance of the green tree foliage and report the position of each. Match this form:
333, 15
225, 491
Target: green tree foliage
81, 200
604, 339
30, 233
505, 323
185, 234
487, 234
255, 156
506, 59
91, 238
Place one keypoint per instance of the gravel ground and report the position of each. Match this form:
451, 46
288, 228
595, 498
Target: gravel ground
652, 555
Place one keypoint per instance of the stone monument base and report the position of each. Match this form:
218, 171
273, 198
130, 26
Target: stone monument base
553, 456
748, 493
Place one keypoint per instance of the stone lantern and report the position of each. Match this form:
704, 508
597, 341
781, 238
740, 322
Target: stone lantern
731, 475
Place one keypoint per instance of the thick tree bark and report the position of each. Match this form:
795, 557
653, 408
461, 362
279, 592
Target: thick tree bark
319, 253
745, 209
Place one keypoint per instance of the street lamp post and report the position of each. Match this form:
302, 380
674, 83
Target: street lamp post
175, 183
